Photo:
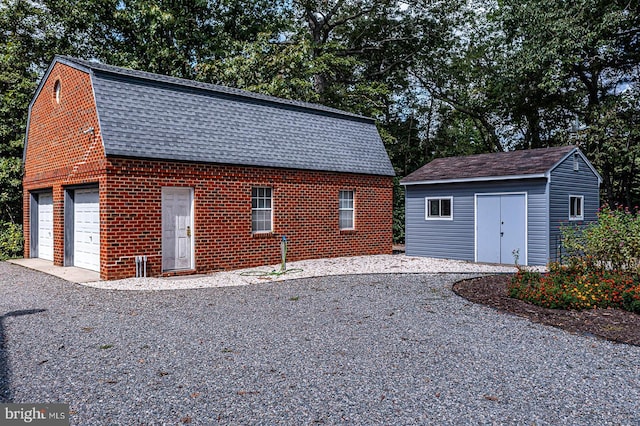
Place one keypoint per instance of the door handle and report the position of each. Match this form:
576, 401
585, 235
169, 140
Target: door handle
502, 234
188, 231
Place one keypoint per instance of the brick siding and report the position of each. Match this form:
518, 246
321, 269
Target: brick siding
305, 209
61, 149
61, 153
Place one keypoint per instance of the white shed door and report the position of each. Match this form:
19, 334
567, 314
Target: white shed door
86, 229
501, 228
177, 236
45, 226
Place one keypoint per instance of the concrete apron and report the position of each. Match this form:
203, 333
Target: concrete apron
69, 273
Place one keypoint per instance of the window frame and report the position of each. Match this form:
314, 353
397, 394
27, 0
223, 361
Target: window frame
427, 209
581, 207
352, 209
57, 89
257, 197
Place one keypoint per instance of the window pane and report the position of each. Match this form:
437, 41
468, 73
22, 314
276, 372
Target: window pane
261, 220
434, 208
261, 209
575, 207
445, 208
346, 199
346, 219
345, 203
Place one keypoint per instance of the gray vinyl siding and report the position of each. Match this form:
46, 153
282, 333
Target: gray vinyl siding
565, 182
455, 239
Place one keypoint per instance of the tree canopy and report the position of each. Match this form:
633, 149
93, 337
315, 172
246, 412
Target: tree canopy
442, 77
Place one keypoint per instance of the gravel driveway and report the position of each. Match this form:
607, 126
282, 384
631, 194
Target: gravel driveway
367, 349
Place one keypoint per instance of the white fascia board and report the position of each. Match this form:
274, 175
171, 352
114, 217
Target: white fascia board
477, 179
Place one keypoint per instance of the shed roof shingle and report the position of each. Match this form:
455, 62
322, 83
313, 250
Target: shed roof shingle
500, 164
154, 116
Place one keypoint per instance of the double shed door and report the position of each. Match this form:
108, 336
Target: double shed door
501, 228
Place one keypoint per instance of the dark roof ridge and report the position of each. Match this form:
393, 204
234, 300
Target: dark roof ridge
561, 148
194, 84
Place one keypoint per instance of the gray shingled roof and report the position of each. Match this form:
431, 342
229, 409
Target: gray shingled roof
530, 162
153, 116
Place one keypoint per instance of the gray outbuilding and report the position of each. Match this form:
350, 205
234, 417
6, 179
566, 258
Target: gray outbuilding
504, 207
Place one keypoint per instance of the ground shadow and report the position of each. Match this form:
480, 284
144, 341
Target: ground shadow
5, 388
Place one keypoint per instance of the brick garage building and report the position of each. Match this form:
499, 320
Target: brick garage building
121, 163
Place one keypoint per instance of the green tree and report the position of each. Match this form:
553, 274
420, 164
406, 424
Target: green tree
574, 79
19, 21
154, 35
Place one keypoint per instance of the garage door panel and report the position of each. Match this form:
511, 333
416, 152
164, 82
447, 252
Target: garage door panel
45, 226
86, 229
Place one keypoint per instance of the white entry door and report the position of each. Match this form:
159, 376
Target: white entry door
86, 229
45, 226
177, 224
501, 228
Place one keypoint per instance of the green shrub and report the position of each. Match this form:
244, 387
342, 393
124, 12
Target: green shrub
11, 241
601, 269
613, 242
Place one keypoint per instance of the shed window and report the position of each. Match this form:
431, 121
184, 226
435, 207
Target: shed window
439, 208
576, 162
261, 210
575, 207
346, 209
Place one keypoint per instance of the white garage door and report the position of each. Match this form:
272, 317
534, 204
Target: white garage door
86, 229
45, 226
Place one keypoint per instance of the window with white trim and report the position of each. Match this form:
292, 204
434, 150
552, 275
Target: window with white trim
346, 209
576, 207
261, 209
439, 208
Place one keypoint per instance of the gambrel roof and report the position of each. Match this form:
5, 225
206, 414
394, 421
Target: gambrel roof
523, 164
145, 115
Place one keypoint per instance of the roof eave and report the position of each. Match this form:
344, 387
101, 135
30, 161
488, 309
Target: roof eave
476, 179
390, 173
